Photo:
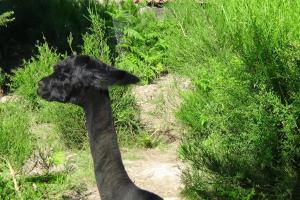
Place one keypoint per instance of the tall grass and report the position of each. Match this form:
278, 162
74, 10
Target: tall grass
243, 113
16, 142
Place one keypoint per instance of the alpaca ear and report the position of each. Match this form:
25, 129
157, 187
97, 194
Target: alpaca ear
122, 77
101, 75
113, 76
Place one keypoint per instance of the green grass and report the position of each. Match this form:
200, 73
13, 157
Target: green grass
243, 57
16, 142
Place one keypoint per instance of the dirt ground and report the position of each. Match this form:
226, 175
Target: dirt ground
155, 170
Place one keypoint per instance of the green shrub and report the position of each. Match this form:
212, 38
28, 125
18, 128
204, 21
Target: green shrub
94, 42
25, 80
125, 115
6, 189
141, 46
191, 39
247, 141
16, 142
243, 113
6, 17
69, 122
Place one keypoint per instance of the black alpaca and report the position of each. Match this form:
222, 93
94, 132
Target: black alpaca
84, 81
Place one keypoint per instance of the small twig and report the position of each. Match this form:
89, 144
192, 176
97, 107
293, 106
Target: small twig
13, 175
35, 164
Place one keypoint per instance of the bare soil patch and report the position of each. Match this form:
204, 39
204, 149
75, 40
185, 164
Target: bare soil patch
158, 103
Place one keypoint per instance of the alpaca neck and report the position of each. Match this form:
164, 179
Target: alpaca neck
111, 176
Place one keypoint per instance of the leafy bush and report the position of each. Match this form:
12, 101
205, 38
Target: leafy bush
6, 17
6, 189
24, 82
69, 122
243, 113
94, 41
125, 115
15, 139
141, 46
242, 139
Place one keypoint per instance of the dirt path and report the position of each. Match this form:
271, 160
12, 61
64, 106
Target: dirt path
158, 171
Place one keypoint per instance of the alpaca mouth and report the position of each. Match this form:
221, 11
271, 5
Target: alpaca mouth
40, 89
42, 93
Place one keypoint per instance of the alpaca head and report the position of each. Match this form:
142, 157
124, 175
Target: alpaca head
74, 76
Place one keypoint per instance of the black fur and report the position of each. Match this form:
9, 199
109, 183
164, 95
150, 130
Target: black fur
84, 81
75, 74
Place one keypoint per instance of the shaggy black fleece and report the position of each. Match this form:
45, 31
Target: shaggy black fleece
84, 81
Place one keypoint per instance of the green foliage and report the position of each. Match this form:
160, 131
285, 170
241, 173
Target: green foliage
94, 42
146, 140
7, 189
24, 82
69, 122
49, 186
142, 46
243, 139
6, 17
243, 113
15, 139
125, 115
2, 78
